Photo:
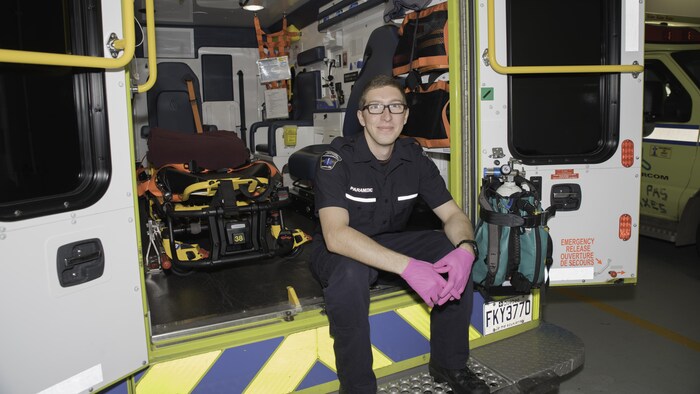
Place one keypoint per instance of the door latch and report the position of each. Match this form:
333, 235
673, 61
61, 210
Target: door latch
80, 262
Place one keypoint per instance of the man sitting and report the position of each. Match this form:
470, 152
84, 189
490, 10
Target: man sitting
366, 188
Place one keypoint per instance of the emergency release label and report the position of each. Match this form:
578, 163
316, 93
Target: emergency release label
578, 252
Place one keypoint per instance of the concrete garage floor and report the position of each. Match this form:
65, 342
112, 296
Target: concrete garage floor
638, 339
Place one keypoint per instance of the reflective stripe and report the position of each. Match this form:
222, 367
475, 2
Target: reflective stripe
360, 199
177, 376
409, 197
291, 362
474, 333
418, 317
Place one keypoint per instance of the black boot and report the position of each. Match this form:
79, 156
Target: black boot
461, 381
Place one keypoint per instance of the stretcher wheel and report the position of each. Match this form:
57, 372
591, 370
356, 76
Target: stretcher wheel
294, 253
179, 271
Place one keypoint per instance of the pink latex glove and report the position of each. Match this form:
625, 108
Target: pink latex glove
458, 266
422, 278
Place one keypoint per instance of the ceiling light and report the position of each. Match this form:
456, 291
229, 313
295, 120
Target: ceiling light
252, 5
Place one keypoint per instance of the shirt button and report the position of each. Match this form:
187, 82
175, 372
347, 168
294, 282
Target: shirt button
384, 222
386, 200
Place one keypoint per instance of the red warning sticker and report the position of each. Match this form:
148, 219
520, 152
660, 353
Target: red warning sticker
565, 174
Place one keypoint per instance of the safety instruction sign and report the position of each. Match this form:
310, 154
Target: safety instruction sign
565, 174
577, 252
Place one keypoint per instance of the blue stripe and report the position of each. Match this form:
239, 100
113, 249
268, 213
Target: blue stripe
119, 388
236, 367
139, 375
319, 374
394, 337
677, 126
668, 142
478, 312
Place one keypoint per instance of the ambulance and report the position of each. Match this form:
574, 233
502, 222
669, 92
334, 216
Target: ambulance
106, 289
670, 202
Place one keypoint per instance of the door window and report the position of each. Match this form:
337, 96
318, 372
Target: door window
54, 151
563, 118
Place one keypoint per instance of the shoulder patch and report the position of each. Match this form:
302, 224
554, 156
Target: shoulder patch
329, 160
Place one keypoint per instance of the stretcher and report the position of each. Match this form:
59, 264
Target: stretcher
198, 220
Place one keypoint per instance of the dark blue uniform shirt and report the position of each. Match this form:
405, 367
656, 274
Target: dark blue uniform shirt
379, 197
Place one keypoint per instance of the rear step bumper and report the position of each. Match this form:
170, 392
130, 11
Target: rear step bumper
531, 362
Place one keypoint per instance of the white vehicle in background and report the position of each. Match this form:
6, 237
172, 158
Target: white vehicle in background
670, 194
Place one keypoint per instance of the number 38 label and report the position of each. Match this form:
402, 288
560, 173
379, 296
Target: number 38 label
507, 313
238, 239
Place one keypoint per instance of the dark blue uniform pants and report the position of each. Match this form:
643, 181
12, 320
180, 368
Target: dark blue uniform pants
346, 285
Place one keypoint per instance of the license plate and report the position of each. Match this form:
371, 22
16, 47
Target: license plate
507, 313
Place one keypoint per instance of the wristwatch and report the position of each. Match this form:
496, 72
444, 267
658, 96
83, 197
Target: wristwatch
470, 242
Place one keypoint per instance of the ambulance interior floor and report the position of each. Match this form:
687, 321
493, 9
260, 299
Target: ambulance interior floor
232, 293
240, 293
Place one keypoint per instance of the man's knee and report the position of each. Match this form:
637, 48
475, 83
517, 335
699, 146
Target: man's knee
350, 274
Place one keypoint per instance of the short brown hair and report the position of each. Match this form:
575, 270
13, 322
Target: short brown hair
380, 81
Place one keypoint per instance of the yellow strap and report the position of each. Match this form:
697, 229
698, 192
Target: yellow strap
193, 103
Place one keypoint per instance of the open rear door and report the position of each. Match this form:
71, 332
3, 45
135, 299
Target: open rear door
575, 130
72, 309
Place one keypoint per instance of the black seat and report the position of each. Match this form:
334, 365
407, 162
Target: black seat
168, 100
377, 59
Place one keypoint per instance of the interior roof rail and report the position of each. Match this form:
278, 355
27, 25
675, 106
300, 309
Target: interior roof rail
490, 52
126, 44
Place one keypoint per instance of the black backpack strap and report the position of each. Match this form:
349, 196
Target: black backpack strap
494, 235
493, 252
488, 215
518, 281
548, 260
513, 253
501, 219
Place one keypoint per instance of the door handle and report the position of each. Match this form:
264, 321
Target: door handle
80, 262
69, 261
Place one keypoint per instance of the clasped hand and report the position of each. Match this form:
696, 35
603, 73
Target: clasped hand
458, 266
426, 280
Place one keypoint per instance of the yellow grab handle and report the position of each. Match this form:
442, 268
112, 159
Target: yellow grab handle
491, 53
128, 44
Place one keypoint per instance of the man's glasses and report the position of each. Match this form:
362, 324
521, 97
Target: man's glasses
378, 109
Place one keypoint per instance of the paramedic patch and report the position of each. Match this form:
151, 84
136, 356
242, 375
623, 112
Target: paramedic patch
329, 159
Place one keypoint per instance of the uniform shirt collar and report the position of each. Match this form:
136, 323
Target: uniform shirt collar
363, 154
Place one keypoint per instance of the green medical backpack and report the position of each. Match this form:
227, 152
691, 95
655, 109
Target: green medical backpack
512, 237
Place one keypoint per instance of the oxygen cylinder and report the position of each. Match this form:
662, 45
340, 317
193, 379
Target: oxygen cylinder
508, 188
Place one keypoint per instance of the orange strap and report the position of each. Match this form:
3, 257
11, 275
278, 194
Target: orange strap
273, 45
193, 103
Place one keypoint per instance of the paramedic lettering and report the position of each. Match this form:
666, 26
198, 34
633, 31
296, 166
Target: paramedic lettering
364, 201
